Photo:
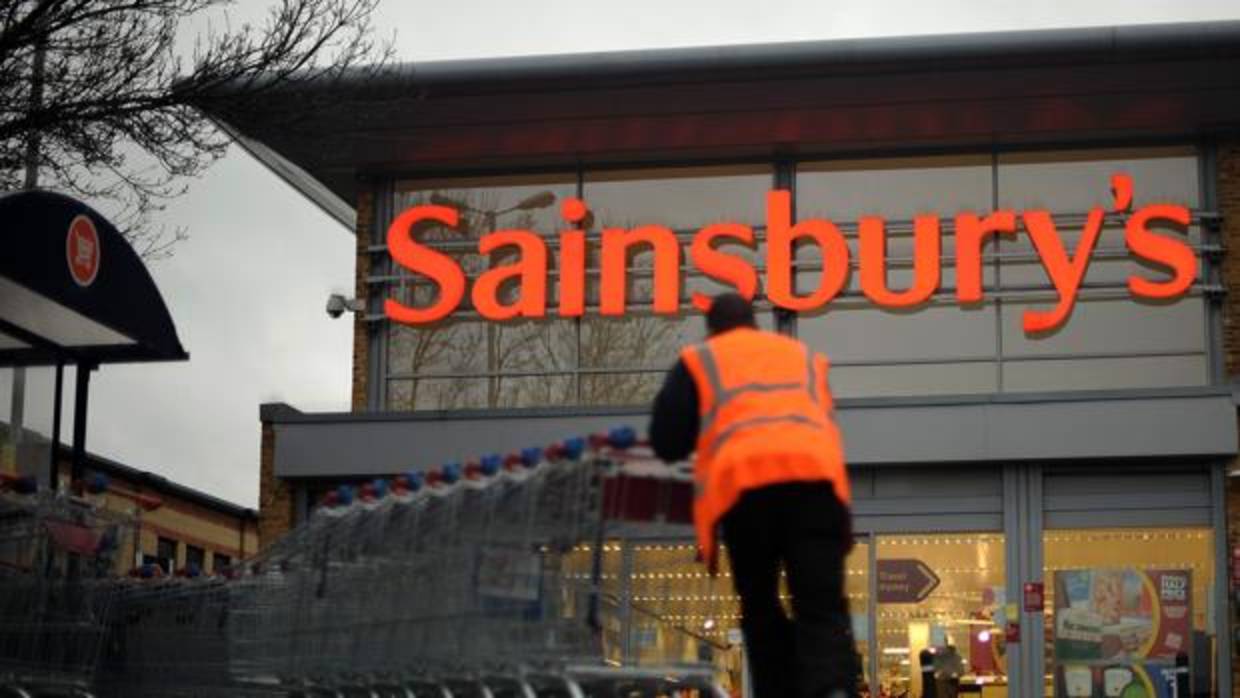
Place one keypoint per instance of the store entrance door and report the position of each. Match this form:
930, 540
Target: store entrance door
939, 598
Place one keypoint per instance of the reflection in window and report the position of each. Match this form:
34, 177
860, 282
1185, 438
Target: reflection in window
1111, 341
679, 614
466, 362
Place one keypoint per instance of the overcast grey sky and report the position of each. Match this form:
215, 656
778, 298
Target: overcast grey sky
247, 289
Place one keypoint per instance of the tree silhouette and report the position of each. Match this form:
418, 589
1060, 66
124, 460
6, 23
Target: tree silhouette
98, 98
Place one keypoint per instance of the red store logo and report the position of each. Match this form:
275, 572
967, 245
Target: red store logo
82, 251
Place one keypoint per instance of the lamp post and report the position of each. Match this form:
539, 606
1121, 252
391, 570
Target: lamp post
533, 202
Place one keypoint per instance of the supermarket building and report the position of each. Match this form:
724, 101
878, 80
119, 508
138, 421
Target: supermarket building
1033, 351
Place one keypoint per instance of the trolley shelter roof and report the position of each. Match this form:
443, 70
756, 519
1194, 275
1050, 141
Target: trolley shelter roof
72, 289
820, 98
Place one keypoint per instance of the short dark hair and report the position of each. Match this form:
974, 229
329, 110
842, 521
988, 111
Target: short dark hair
729, 311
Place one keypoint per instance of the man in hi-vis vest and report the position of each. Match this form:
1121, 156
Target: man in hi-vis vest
769, 472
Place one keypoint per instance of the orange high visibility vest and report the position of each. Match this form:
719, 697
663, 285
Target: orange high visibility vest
765, 414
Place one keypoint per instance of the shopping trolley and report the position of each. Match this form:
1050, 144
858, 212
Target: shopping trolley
59, 557
481, 578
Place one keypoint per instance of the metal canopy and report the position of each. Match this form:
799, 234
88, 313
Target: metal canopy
72, 290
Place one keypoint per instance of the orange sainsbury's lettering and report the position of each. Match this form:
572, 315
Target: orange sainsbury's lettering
1064, 272
781, 234
420, 259
1164, 251
572, 273
971, 234
614, 285
518, 287
530, 271
926, 252
720, 265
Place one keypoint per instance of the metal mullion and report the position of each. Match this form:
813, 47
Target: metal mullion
383, 198
1207, 178
897, 262
902, 228
998, 267
482, 375
845, 363
465, 375
1103, 355
1224, 638
1033, 559
872, 612
1013, 530
784, 176
1110, 291
683, 235
578, 334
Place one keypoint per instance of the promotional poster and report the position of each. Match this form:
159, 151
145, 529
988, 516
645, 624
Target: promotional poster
1118, 631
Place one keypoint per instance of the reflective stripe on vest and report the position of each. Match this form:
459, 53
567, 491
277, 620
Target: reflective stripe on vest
724, 395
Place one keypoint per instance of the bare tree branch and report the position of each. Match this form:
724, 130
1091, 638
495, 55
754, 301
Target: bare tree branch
119, 122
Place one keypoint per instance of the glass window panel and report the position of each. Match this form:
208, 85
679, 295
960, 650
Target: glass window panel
961, 618
681, 199
575, 596
620, 389
1122, 603
1075, 181
1104, 374
536, 391
671, 593
450, 346
896, 189
529, 202
637, 340
900, 380
437, 394
195, 557
869, 333
1122, 325
542, 345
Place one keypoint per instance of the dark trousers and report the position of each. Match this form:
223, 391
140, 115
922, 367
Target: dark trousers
804, 528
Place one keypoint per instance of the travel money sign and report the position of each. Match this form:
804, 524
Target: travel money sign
905, 581
1150, 234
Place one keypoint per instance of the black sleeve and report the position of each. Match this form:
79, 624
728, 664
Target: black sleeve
674, 421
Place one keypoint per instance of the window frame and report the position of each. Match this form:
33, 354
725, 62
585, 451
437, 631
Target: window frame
784, 175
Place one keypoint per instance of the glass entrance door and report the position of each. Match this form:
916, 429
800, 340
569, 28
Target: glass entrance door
940, 598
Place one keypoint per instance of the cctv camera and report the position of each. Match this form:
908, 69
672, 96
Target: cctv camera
335, 305
338, 304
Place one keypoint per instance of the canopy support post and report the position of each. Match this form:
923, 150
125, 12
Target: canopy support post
81, 396
53, 457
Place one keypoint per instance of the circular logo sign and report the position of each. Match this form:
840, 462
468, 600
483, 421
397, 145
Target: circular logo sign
82, 250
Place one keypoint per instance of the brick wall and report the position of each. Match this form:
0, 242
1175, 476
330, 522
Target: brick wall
1229, 206
361, 338
275, 497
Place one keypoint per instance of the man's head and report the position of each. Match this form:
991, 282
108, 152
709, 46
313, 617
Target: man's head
727, 312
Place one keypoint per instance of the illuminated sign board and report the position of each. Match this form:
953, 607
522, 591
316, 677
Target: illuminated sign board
1150, 234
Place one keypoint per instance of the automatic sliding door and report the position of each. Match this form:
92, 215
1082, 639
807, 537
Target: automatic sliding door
942, 592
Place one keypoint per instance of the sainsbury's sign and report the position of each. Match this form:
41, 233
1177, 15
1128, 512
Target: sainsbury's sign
1150, 234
